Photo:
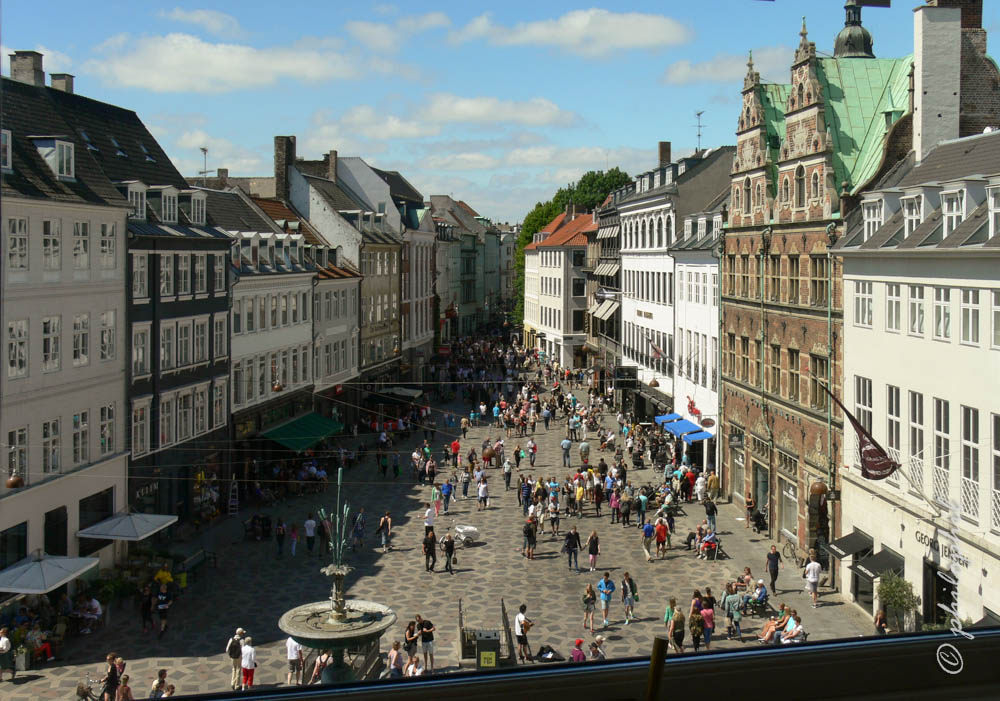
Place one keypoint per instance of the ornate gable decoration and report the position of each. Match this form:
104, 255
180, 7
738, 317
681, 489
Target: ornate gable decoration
807, 49
752, 78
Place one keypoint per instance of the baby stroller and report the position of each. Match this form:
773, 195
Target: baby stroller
759, 520
464, 536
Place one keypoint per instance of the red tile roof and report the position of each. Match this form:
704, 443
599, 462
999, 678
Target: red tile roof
572, 234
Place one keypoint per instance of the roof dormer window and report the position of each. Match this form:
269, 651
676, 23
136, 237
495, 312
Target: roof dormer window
5, 149
873, 217
146, 153
169, 207
993, 197
198, 208
58, 155
687, 228
119, 151
912, 213
953, 209
137, 201
86, 140
702, 223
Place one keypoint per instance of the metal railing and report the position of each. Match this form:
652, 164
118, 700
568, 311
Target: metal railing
941, 485
970, 498
995, 510
507, 649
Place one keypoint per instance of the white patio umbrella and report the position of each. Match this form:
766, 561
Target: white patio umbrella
128, 527
40, 573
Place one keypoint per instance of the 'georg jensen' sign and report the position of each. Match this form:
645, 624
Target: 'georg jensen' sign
942, 549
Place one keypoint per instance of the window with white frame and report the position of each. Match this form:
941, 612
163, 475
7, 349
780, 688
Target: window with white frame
17, 243
872, 212
262, 385
183, 274
219, 274
81, 437
81, 245
51, 244
294, 304
137, 202
17, 451
250, 310
51, 449
169, 208
995, 510
167, 338
221, 337
140, 349
140, 275
219, 403
200, 274
970, 316
185, 409
238, 386
81, 339
167, 409
953, 208
17, 348
200, 410
304, 305
167, 275
199, 353
995, 314
993, 198
893, 422
262, 313
65, 167
51, 343
140, 427
893, 306
912, 213
197, 209
106, 429
183, 343
108, 245
862, 406
108, 334
237, 317
862, 303
970, 463
248, 373
916, 310
942, 451
5, 161
942, 313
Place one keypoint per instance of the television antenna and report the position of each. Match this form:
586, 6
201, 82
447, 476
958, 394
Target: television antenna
204, 171
698, 115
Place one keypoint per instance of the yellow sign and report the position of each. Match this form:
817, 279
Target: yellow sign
487, 659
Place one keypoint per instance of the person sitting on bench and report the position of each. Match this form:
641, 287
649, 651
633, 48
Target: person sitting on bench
759, 595
708, 543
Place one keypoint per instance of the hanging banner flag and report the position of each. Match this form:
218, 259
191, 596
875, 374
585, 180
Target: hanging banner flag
657, 353
875, 462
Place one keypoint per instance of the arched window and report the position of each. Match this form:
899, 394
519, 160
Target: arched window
801, 93
642, 239
736, 198
746, 194
659, 233
815, 185
758, 196
785, 195
800, 186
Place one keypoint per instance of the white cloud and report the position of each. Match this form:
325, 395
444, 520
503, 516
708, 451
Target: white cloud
384, 37
364, 120
186, 63
460, 161
591, 33
212, 21
222, 153
385, 9
537, 111
773, 63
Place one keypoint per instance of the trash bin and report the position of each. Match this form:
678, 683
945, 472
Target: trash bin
487, 649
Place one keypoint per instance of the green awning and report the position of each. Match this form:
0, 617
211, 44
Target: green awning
304, 432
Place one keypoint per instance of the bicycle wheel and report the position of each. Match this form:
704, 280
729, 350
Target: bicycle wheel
789, 552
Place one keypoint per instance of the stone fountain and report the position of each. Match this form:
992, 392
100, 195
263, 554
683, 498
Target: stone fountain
338, 624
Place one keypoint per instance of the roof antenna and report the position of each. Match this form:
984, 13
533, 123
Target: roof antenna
698, 115
204, 172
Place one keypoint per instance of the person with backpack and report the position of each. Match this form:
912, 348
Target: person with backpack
630, 595
530, 539
234, 650
385, 531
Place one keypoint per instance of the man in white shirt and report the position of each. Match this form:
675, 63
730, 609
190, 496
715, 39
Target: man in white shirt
294, 654
428, 518
813, 570
310, 528
484, 495
522, 624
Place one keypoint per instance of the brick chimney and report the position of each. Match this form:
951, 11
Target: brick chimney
223, 175
937, 73
972, 11
284, 158
331, 166
26, 66
664, 153
570, 211
62, 81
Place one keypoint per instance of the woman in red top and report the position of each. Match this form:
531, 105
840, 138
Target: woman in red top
708, 615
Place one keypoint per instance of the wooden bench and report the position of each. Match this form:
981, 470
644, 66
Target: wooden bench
196, 560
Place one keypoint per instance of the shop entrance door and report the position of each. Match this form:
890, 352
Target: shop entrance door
761, 487
937, 590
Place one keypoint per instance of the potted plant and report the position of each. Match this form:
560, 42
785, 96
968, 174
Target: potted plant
897, 598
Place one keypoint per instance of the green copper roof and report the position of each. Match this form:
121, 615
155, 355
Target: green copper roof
774, 99
859, 93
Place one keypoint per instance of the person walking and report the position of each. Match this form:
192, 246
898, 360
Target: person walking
593, 549
813, 570
358, 531
279, 537
507, 471
662, 532
572, 547
466, 478
436, 498
163, 603
526, 495
713, 487
648, 531
711, 511
630, 594
447, 490
385, 531
566, 444
465, 427
774, 562
675, 629
522, 624
146, 608
248, 662
484, 495
428, 518
589, 603
124, 690
530, 531
295, 659
322, 660
111, 679
426, 629
430, 550
751, 505
293, 539
605, 588
310, 529
696, 624
532, 451
708, 622
449, 553
234, 650
411, 636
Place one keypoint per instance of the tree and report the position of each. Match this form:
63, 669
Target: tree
588, 193
896, 598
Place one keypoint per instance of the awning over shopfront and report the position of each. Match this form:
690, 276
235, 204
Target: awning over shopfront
304, 432
128, 527
700, 436
608, 232
853, 542
679, 428
612, 270
594, 307
599, 270
876, 565
664, 418
41, 573
606, 310
405, 392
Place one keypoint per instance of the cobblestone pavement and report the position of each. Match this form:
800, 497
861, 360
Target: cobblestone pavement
251, 588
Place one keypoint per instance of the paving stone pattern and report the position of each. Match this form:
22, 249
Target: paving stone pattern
251, 588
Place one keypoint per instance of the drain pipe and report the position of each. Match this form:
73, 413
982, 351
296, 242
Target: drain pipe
831, 236
772, 479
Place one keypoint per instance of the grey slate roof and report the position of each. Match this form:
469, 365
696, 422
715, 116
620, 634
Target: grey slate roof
398, 185
228, 210
29, 111
958, 158
337, 195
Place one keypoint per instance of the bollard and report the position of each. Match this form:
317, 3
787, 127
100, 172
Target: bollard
655, 677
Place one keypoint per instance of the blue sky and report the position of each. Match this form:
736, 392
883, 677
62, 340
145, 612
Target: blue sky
495, 104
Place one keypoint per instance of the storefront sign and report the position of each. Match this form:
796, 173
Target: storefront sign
942, 549
338, 389
707, 423
444, 350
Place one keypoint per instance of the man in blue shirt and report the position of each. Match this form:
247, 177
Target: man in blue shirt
566, 445
647, 540
446, 490
605, 588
